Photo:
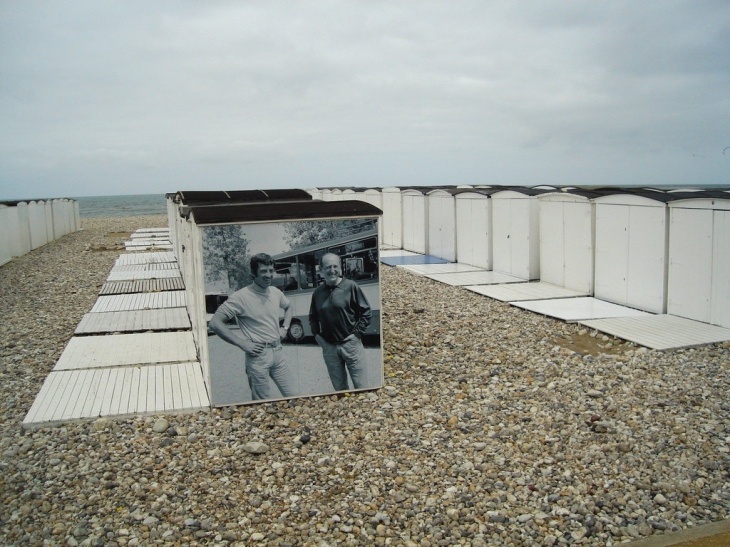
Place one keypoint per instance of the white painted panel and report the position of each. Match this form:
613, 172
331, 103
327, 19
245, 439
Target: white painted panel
441, 225
646, 276
501, 226
690, 245
24, 228
721, 269
612, 252
578, 231
552, 242
49, 220
473, 232
6, 227
37, 223
414, 222
392, 217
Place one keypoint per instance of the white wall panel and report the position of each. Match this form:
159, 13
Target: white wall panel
631, 250
473, 230
392, 217
441, 225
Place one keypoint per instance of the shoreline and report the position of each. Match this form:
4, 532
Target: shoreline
490, 431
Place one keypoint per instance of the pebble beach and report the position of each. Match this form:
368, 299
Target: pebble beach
496, 426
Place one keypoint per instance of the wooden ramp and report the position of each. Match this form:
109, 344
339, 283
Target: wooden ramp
153, 230
147, 348
573, 310
475, 278
142, 286
661, 332
146, 258
140, 301
132, 275
134, 321
151, 242
150, 235
119, 391
149, 267
451, 267
518, 292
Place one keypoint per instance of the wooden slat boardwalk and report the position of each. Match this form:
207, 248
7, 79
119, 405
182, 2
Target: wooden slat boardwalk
149, 267
100, 374
146, 258
119, 391
131, 275
134, 321
140, 301
142, 286
661, 332
127, 349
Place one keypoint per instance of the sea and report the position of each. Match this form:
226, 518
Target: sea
122, 206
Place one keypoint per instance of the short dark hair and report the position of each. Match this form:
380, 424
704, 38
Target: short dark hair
257, 260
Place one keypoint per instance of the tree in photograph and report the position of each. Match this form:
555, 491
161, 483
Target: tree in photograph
225, 253
308, 232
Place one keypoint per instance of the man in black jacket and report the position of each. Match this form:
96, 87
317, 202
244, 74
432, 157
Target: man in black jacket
339, 315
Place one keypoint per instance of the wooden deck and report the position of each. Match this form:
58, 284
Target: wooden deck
146, 258
140, 301
517, 292
104, 373
142, 286
661, 332
134, 321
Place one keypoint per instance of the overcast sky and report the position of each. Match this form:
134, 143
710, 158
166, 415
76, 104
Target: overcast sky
102, 98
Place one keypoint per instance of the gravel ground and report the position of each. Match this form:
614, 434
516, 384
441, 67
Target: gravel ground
496, 427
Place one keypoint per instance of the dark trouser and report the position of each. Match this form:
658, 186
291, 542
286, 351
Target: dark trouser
348, 356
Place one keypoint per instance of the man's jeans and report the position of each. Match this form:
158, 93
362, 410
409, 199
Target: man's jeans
348, 356
269, 363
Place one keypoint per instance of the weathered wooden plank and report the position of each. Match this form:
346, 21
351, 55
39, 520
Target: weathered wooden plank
138, 275
142, 286
127, 349
661, 332
134, 321
44, 400
152, 257
475, 278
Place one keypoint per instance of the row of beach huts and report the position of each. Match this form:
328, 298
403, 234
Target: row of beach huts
27, 225
656, 250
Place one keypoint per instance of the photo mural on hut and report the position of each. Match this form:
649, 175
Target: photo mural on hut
293, 309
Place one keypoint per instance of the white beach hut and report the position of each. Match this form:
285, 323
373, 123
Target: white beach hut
24, 240
392, 217
50, 233
442, 223
37, 221
415, 220
474, 227
631, 249
699, 258
516, 233
567, 234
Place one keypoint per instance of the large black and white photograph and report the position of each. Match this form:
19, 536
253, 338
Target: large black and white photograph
292, 309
